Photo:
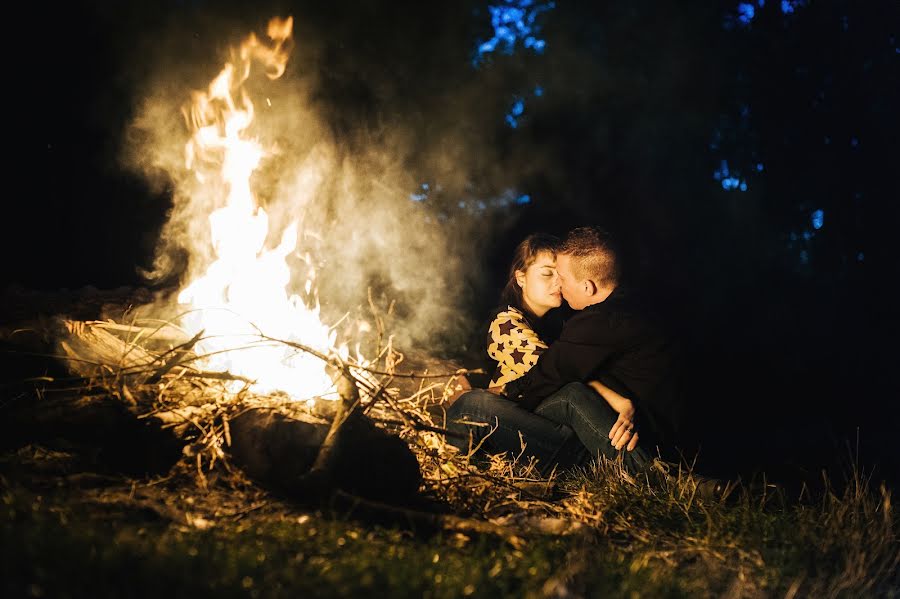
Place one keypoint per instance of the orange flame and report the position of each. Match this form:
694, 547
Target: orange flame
243, 292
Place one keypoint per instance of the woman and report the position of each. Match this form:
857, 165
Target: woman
518, 333
532, 290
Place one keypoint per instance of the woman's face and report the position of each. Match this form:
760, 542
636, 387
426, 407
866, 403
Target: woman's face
540, 284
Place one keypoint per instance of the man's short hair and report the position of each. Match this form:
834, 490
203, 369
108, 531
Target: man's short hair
594, 255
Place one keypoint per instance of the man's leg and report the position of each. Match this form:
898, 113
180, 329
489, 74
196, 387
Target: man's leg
579, 408
478, 413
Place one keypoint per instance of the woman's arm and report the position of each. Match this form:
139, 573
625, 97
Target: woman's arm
514, 344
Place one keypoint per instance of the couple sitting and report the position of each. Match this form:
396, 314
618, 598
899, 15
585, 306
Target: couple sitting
605, 385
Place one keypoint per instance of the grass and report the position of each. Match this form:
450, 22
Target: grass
70, 534
68, 531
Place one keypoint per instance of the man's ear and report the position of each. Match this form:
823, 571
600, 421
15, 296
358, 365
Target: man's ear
590, 287
520, 278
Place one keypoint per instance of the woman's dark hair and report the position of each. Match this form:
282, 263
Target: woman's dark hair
524, 256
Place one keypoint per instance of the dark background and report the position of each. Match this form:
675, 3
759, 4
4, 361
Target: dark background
790, 330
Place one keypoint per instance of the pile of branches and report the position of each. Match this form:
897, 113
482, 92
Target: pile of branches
153, 369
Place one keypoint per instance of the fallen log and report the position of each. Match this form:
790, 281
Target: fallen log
271, 448
279, 452
102, 429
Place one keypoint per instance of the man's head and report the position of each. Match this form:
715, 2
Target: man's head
587, 266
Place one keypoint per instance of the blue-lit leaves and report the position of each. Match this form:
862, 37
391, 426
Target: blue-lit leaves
802, 243
817, 219
534, 43
422, 194
789, 7
800, 246
743, 16
515, 111
517, 108
738, 162
440, 204
745, 12
508, 198
730, 180
514, 22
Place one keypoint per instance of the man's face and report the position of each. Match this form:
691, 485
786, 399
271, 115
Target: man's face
574, 290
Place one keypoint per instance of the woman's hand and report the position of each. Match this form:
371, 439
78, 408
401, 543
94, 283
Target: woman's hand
460, 386
622, 433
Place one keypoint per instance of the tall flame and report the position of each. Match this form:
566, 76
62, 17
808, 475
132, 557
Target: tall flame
244, 291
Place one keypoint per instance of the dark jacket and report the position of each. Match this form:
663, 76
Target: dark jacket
616, 343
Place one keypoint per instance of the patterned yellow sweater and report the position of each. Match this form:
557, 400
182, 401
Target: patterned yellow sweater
513, 343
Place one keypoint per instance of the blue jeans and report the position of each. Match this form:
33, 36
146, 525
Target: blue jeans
567, 429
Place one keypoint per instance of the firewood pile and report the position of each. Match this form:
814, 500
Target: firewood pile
143, 380
150, 368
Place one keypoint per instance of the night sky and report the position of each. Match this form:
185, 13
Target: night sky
745, 154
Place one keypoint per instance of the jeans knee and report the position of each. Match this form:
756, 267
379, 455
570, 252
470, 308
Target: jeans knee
577, 394
577, 390
475, 403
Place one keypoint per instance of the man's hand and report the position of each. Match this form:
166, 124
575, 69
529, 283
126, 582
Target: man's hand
622, 433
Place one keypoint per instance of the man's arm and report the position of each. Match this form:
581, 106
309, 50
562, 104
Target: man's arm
585, 344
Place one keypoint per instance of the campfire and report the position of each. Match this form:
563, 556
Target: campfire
249, 382
248, 372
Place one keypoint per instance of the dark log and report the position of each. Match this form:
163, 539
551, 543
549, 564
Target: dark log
279, 452
99, 428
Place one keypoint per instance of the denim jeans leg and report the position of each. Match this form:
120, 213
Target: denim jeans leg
579, 408
551, 443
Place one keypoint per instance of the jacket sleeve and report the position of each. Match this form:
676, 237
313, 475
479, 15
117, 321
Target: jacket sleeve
513, 343
586, 343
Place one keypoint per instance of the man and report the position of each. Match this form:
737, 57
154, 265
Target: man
608, 344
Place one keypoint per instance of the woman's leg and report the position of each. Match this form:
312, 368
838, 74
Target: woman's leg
579, 408
482, 415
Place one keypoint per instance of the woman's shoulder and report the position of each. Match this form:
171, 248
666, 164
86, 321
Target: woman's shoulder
509, 314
